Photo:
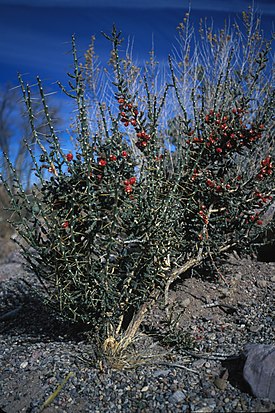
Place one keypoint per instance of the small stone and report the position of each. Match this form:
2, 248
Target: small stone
177, 397
224, 292
220, 383
255, 329
261, 283
185, 302
144, 389
198, 363
23, 365
162, 373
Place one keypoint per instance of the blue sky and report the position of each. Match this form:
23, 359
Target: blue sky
35, 34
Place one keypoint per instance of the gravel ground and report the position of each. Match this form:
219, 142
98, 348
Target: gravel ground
201, 370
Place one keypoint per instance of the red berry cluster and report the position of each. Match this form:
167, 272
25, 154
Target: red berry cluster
227, 132
255, 218
203, 215
129, 115
143, 139
128, 184
217, 187
262, 199
128, 112
266, 168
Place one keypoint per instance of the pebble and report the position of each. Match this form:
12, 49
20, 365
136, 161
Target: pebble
261, 283
185, 302
177, 397
23, 365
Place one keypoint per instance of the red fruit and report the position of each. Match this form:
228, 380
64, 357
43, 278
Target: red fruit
123, 114
133, 122
121, 100
126, 123
227, 186
124, 154
239, 178
99, 177
218, 188
128, 189
210, 183
69, 157
144, 144
207, 117
266, 161
133, 180
129, 106
127, 182
102, 162
259, 222
219, 150
136, 112
65, 224
113, 158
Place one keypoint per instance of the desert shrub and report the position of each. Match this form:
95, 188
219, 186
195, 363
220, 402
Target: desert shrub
166, 179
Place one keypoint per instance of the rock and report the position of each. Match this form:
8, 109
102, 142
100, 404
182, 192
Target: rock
185, 302
23, 365
198, 363
261, 283
144, 389
259, 370
255, 328
177, 397
220, 383
162, 373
